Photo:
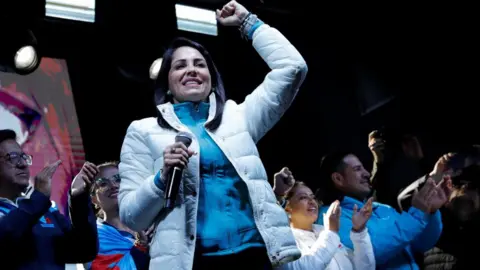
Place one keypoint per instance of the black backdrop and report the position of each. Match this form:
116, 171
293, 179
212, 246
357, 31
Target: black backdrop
424, 57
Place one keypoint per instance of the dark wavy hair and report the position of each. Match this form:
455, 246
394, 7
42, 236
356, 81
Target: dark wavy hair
7, 134
161, 84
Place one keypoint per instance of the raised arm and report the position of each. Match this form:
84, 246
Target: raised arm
15, 222
268, 102
392, 238
319, 255
140, 197
82, 230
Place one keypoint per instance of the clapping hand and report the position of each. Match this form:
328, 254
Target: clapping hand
331, 219
441, 167
84, 179
360, 218
283, 182
431, 196
441, 193
232, 14
43, 180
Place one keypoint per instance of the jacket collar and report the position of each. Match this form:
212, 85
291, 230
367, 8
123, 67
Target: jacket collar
168, 113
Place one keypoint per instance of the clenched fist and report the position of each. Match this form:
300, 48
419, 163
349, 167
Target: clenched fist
232, 14
283, 182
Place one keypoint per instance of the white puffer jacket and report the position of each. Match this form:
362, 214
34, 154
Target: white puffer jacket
142, 202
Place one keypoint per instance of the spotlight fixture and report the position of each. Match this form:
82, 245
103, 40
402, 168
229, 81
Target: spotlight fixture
155, 68
20, 54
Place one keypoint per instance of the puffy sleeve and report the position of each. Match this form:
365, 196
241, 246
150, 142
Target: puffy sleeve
140, 197
268, 102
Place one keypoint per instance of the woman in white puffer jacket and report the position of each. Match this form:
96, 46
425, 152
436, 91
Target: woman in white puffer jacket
225, 213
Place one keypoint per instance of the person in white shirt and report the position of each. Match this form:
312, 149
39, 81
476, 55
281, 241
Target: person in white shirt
320, 246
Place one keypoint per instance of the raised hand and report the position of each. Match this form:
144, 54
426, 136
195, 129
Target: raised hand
421, 198
331, 219
283, 182
43, 180
377, 146
441, 167
232, 14
84, 179
441, 194
360, 218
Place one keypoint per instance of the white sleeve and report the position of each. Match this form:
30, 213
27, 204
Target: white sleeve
363, 257
319, 255
140, 200
264, 107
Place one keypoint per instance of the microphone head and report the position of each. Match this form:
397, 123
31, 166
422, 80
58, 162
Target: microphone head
184, 137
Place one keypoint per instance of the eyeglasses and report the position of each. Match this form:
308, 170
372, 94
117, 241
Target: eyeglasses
104, 182
16, 157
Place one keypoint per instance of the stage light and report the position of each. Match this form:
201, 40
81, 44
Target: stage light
196, 20
26, 58
20, 54
155, 68
76, 10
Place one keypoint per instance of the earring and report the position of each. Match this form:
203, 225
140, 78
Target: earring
214, 89
169, 93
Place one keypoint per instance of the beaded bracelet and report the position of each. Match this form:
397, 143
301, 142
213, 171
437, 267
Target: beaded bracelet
248, 22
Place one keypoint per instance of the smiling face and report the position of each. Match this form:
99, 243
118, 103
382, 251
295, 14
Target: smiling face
353, 180
302, 206
107, 184
189, 77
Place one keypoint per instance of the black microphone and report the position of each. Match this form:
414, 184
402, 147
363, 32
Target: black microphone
175, 174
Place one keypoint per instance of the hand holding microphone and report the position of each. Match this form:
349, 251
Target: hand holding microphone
175, 159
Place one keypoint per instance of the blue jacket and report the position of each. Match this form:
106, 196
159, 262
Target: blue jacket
395, 237
35, 235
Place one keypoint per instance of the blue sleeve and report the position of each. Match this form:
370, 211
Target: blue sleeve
254, 27
430, 235
20, 221
79, 243
158, 181
390, 241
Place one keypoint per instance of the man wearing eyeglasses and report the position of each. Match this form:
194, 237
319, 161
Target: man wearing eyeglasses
33, 233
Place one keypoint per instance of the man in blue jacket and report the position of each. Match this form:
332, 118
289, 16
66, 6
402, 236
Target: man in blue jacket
395, 236
33, 233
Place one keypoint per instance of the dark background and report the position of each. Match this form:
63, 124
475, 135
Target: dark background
424, 57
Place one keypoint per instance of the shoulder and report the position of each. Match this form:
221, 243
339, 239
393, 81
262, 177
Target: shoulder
383, 207
143, 125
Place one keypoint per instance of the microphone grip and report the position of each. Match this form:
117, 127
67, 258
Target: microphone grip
172, 187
